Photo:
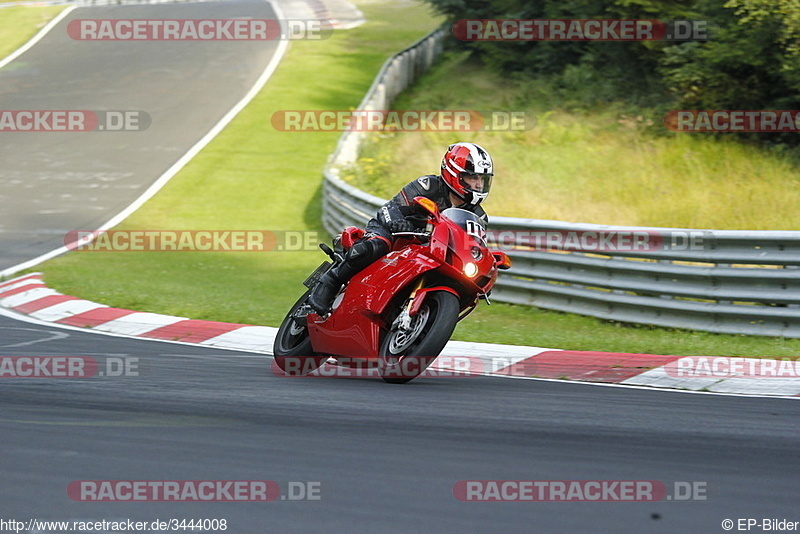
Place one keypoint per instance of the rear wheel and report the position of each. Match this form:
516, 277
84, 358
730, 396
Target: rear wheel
406, 353
292, 348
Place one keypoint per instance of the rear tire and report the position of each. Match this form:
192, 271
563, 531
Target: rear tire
405, 355
292, 349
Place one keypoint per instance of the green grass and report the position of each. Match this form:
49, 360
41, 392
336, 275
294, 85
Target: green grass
19, 24
521, 325
250, 177
253, 177
600, 165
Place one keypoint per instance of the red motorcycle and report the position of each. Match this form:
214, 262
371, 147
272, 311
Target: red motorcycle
398, 313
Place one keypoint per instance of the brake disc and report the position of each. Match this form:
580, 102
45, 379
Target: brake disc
402, 339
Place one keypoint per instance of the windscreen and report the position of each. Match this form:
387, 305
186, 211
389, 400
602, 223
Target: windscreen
469, 222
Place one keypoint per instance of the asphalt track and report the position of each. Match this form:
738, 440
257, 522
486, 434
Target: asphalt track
55, 182
387, 457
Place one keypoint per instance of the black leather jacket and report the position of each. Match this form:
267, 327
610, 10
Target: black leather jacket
399, 207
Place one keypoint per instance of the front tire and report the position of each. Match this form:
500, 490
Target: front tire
404, 355
292, 349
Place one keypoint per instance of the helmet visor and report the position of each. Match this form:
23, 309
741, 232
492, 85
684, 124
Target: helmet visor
480, 183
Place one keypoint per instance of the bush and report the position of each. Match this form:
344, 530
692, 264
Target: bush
751, 60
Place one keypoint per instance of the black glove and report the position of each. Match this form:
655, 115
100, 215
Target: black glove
401, 225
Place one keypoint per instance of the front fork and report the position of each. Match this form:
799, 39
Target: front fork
415, 301
403, 321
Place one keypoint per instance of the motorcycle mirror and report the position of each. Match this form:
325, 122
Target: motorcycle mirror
429, 205
502, 260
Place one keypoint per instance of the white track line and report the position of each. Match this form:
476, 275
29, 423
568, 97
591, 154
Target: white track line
11, 314
283, 45
177, 166
253, 348
36, 38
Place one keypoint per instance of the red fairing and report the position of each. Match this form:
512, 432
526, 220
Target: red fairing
454, 259
354, 328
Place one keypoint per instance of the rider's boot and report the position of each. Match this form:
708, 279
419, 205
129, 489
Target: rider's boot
322, 295
358, 257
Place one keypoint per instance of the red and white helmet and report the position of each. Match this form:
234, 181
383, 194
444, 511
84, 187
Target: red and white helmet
465, 162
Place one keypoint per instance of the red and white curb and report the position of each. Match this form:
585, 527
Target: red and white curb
28, 295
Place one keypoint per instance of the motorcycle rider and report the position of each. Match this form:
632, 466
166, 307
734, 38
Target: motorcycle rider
464, 182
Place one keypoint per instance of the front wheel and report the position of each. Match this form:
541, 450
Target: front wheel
405, 354
292, 348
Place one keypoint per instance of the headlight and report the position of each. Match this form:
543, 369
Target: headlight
476, 253
471, 270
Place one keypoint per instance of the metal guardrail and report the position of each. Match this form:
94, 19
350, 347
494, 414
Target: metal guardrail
738, 282
342, 204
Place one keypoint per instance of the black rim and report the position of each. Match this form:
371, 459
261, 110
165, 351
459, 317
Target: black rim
294, 334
